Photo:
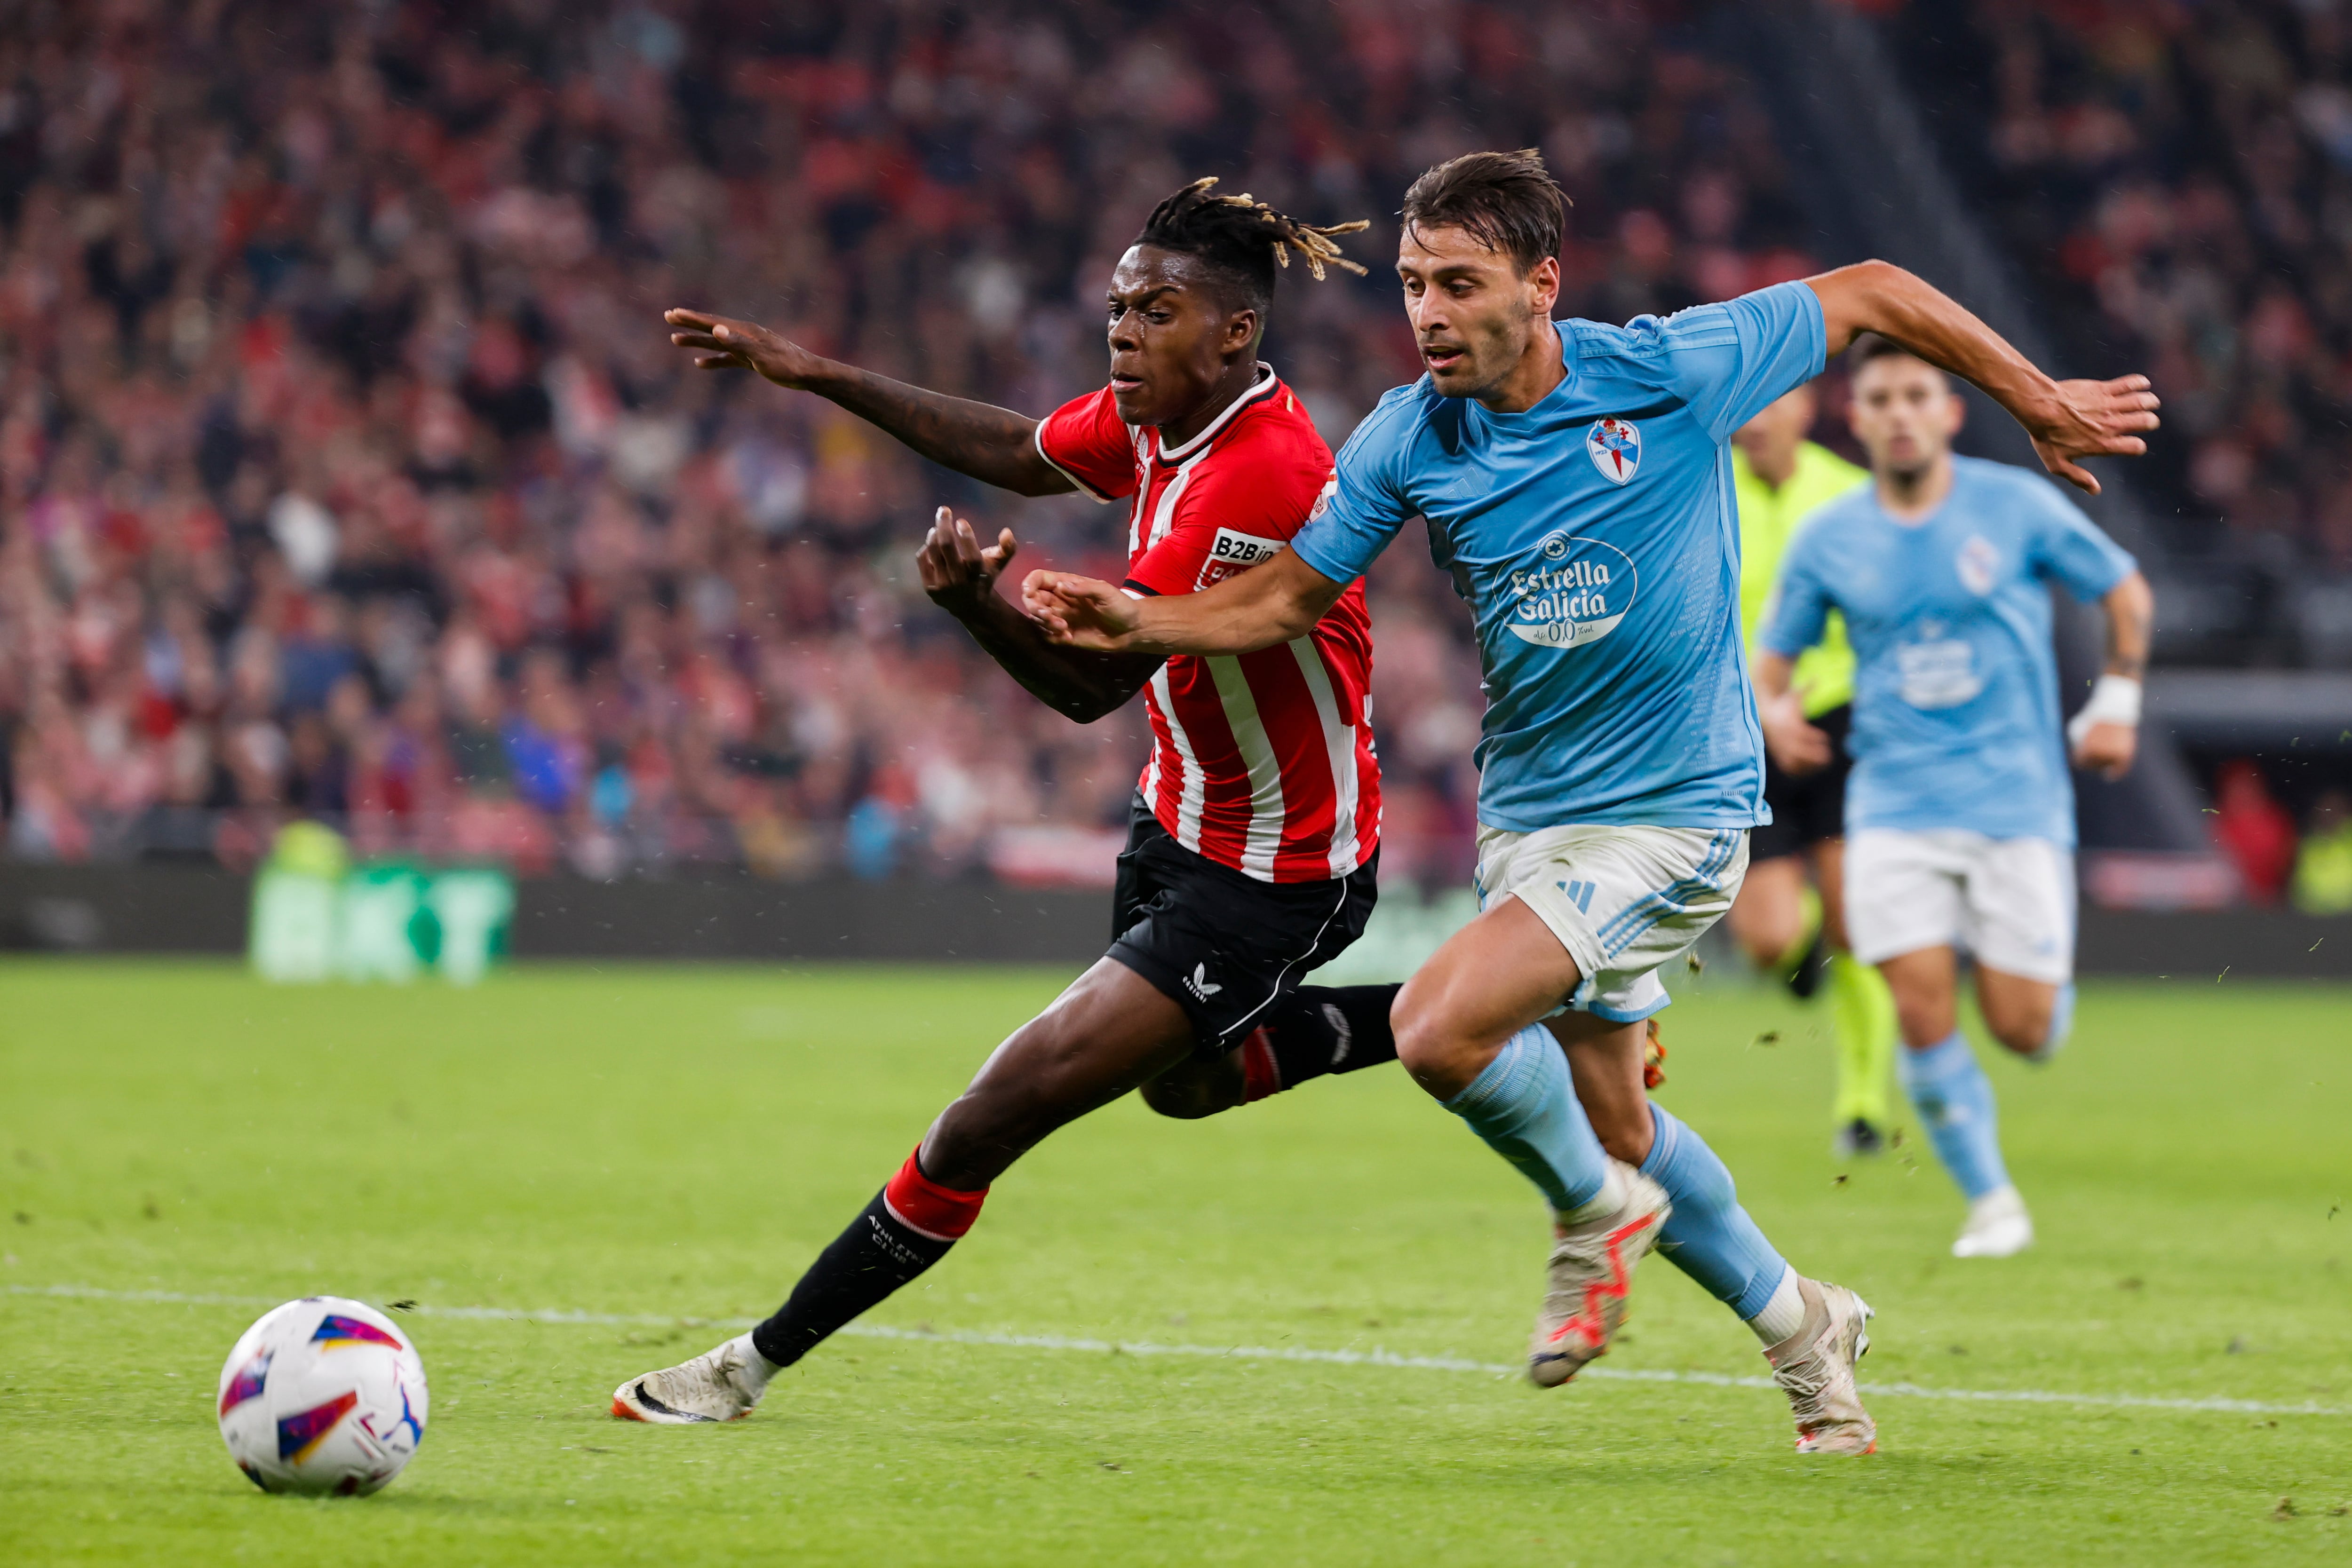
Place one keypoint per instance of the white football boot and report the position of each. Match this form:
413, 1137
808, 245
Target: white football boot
1591, 1270
1815, 1367
720, 1385
1998, 1227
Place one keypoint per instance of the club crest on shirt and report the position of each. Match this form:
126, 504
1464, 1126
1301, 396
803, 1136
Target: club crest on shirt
1978, 563
1615, 447
1574, 593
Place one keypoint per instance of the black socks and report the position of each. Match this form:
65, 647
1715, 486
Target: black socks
909, 1227
1320, 1030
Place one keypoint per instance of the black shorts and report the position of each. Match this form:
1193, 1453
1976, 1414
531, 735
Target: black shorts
1224, 945
1809, 807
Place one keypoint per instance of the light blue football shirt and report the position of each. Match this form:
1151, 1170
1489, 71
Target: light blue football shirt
1955, 717
1596, 540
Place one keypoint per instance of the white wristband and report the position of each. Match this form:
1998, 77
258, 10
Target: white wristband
2115, 700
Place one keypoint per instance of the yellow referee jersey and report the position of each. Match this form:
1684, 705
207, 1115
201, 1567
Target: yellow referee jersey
1823, 677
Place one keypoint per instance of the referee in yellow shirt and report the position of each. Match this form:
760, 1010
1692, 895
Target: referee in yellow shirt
1781, 477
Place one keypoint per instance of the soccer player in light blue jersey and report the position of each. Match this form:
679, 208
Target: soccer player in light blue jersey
1960, 812
1577, 484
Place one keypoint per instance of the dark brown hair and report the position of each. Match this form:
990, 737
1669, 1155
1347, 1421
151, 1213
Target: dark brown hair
1506, 201
1870, 346
1241, 239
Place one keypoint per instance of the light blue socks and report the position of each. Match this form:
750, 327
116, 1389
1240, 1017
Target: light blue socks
1524, 1105
1954, 1098
1525, 1108
1709, 1237
2062, 1024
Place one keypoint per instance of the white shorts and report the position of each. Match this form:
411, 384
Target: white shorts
1622, 899
2010, 902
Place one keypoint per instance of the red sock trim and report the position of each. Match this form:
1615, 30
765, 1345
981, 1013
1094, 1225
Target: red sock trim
923, 1206
1261, 1076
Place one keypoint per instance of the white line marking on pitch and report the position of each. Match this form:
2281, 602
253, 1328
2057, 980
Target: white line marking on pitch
1232, 1353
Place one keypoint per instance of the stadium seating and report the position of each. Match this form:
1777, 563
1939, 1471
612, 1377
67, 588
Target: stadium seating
2177, 180
348, 473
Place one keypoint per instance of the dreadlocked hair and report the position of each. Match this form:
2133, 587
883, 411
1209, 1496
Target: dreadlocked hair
1243, 238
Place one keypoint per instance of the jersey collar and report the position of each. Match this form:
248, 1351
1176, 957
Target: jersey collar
1260, 388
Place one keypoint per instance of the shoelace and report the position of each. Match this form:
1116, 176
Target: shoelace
1810, 1381
703, 1376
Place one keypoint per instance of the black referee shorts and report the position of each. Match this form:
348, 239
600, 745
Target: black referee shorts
1221, 945
1809, 807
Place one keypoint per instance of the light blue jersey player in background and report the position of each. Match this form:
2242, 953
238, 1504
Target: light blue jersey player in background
1577, 483
1960, 812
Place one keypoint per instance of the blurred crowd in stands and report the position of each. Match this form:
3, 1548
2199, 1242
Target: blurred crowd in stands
346, 472
2278, 859
2178, 178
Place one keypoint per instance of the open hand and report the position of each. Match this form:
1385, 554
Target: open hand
2092, 419
2107, 750
722, 343
957, 571
1079, 612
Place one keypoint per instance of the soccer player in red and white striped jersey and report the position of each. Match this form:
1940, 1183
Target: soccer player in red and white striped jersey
1262, 763
1255, 832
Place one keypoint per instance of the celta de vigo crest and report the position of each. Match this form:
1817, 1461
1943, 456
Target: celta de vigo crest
1615, 447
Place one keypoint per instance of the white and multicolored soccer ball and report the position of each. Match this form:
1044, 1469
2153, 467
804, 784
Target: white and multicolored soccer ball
323, 1397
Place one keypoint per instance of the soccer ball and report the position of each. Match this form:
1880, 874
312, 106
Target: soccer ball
323, 1396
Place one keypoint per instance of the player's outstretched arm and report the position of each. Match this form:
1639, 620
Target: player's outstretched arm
2104, 735
994, 446
1797, 745
2067, 420
961, 577
1270, 603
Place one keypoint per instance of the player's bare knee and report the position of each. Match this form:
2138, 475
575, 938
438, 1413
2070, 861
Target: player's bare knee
1426, 1047
2023, 1027
1764, 935
1923, 1023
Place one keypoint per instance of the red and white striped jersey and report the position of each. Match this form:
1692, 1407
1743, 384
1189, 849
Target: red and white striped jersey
1262, 762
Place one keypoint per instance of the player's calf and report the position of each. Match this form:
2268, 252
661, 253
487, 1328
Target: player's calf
1312, 1032
2026, 1016
1192, 1089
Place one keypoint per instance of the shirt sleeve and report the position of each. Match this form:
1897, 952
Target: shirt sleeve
2069, 548
1729, 361
1797, 611
1089, 444
1365, 504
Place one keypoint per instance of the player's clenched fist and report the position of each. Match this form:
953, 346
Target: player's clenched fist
1079, 612
957, 571
2107, 749
722, 343
1797, 745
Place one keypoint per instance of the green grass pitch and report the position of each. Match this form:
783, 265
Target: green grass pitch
670, 1145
